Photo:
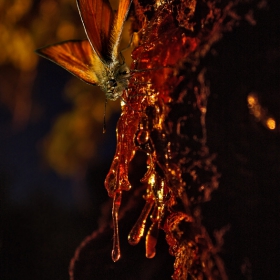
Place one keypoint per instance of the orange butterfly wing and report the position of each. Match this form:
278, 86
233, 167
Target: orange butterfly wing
87, 59
102, 26
118, 27
77, 57
97, 17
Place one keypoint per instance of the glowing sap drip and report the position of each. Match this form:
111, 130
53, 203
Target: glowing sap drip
137, 231
155, 204
116, 252
152, 179
117, 178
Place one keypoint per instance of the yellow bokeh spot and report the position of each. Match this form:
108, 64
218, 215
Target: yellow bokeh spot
21, 50
252, 100
17, 9
66, 30
270, 123
48, 8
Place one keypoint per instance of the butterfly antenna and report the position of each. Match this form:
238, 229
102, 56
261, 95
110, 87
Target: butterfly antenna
129, 45
122, 57
104, 118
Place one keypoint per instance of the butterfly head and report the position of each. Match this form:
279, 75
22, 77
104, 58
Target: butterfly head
115, 81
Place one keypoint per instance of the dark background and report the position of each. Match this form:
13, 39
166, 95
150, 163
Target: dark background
42, 221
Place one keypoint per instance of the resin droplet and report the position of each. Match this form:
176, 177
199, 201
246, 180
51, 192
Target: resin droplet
151, 240
111, 181
116, 252
138, 230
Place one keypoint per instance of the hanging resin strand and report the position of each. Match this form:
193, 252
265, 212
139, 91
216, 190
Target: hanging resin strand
116, 252
138, 229
152, 235
117, 178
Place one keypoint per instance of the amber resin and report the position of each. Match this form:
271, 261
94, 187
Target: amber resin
163, 116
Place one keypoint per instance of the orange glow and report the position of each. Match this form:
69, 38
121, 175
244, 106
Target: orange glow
259, 112
252, 100
271, 123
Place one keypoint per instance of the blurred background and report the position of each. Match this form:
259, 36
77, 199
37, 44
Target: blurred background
54, 157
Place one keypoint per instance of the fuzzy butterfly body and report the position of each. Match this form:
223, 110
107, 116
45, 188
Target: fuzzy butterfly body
115, 80
96, 60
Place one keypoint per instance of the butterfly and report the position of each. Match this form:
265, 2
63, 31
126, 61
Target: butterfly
96, 60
